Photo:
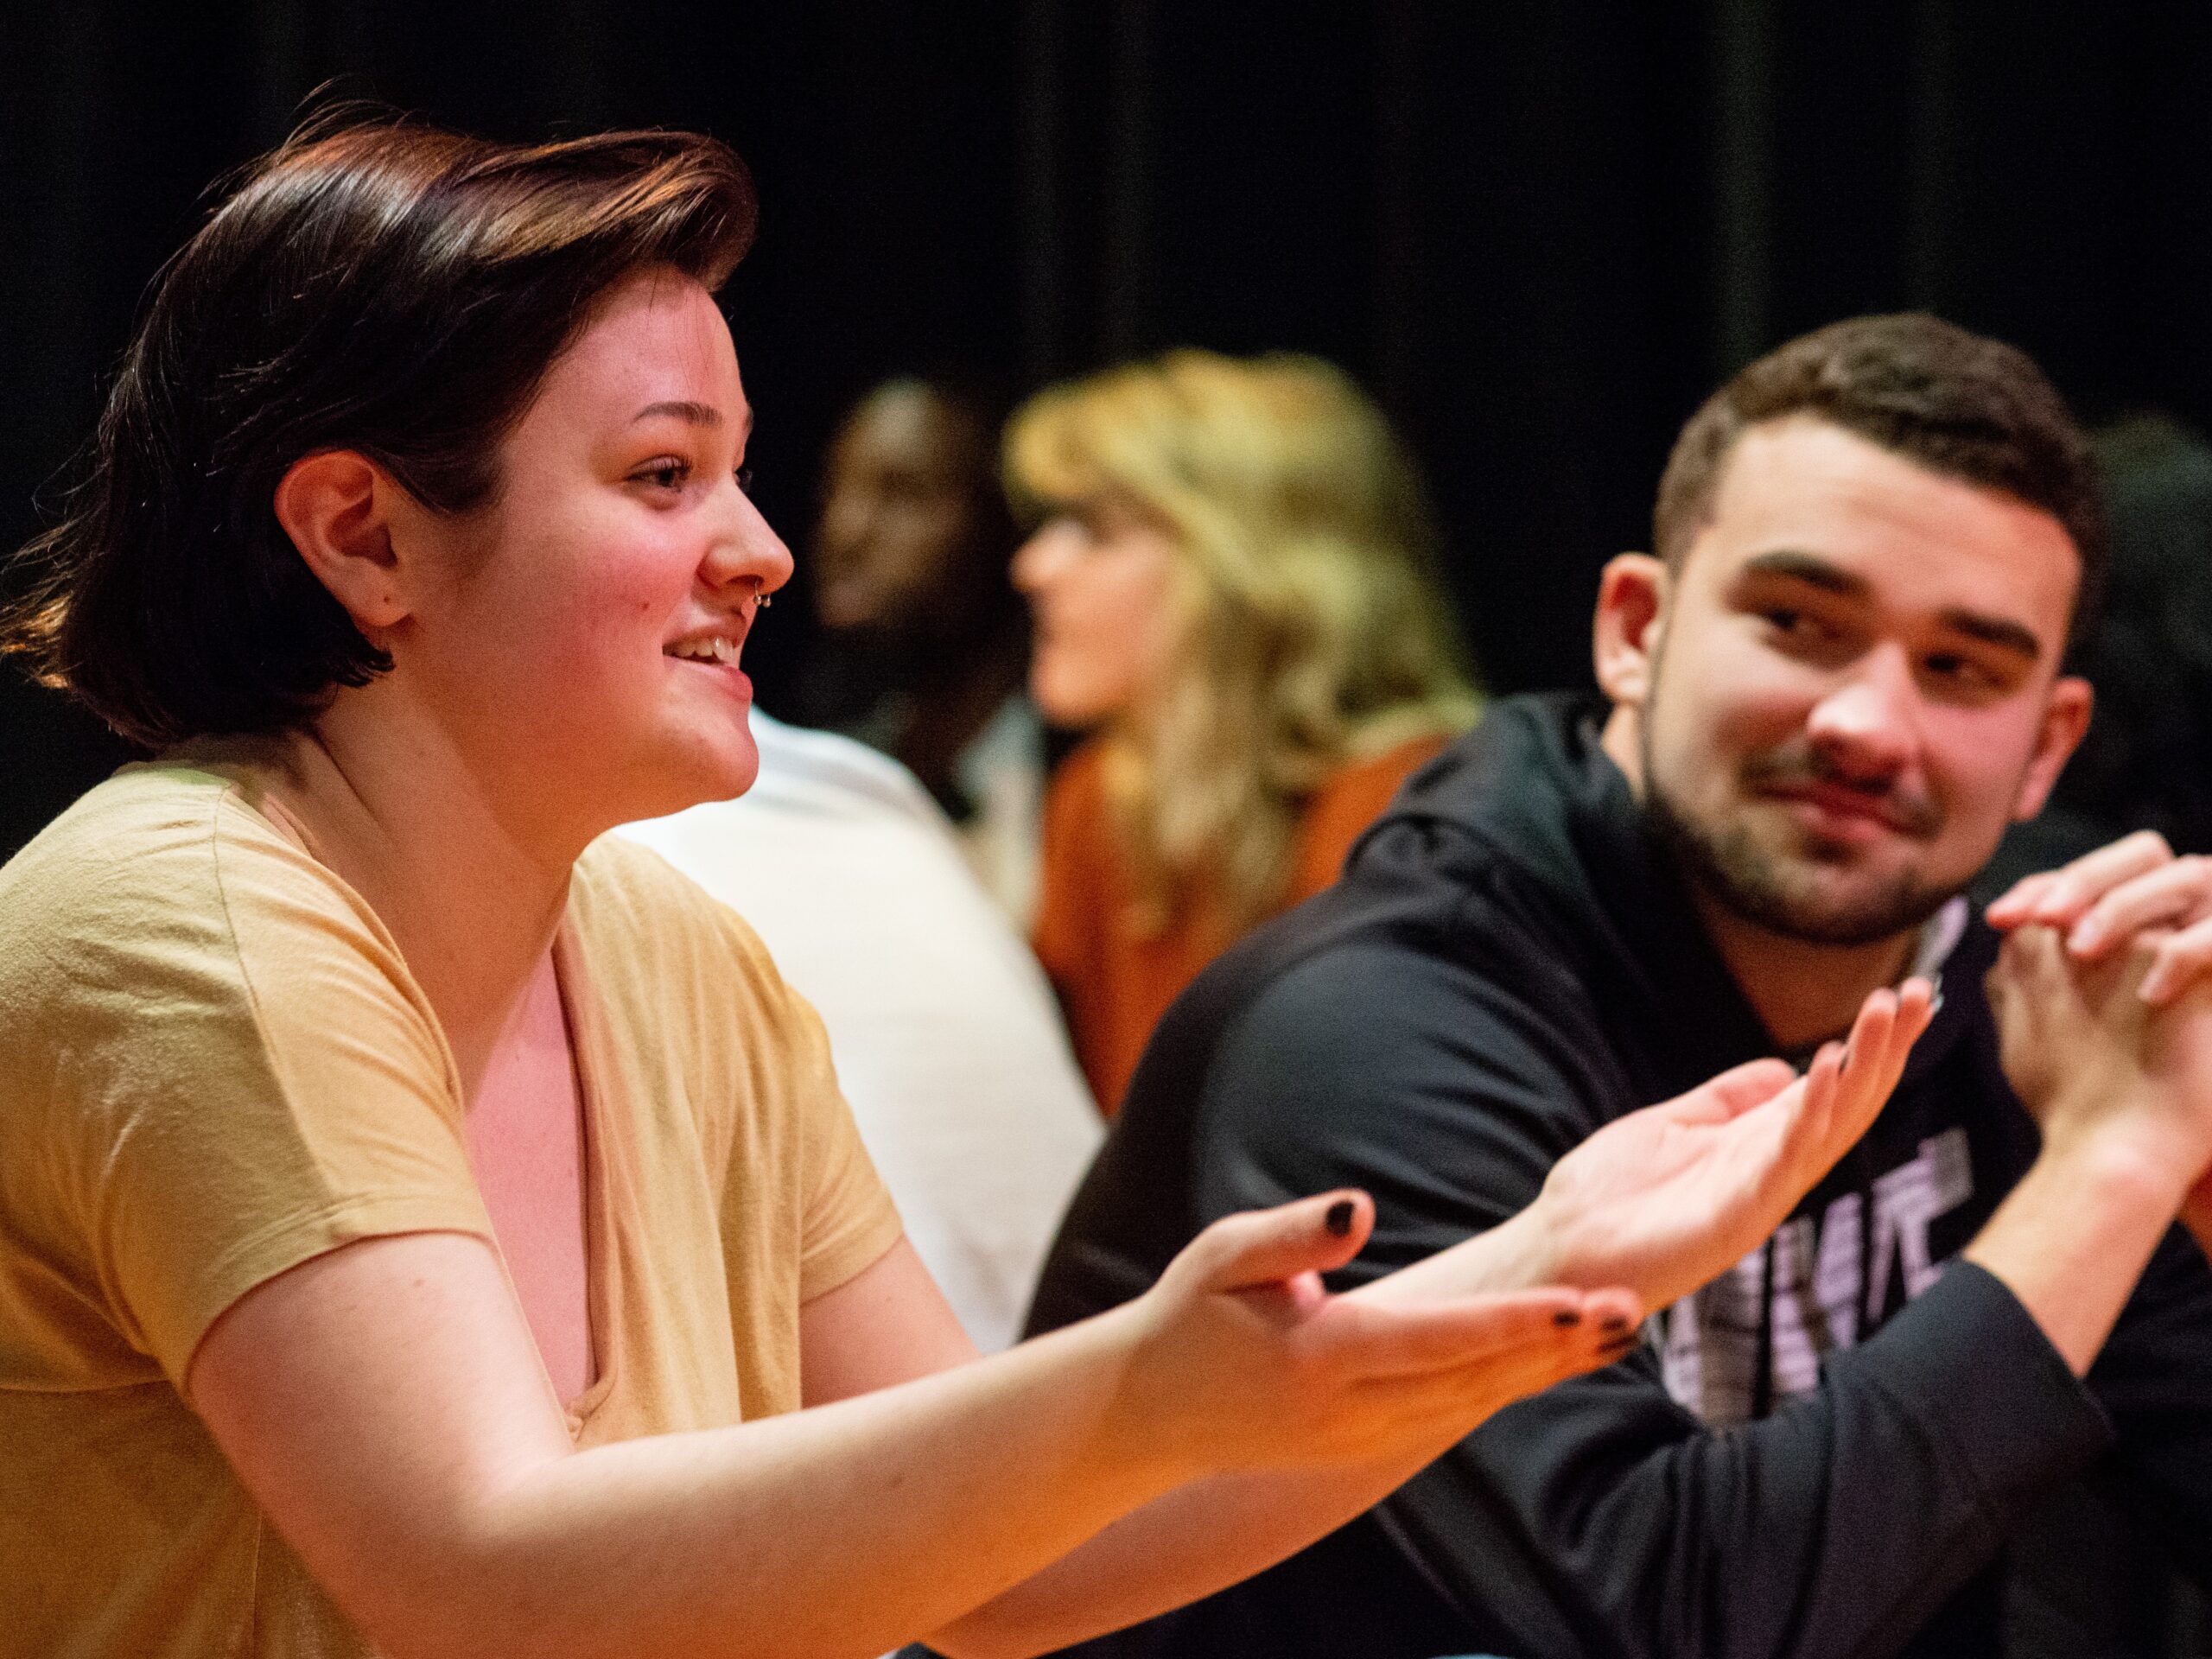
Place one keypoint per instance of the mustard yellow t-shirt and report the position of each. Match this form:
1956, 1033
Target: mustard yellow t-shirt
215, 1065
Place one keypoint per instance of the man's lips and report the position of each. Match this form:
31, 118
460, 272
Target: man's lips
1854, 813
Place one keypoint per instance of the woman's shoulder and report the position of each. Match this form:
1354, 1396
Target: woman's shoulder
159, 848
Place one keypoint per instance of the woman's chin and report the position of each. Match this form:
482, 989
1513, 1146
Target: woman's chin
720, 771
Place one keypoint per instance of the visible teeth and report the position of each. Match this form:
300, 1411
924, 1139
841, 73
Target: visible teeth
715, 650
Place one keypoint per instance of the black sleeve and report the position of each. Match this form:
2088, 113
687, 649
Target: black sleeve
2154, 1379
1599, 1517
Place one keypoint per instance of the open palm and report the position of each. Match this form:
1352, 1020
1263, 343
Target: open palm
1667, 1198
1663, 1199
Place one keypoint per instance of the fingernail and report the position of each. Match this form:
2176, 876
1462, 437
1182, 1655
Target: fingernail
1567, 1318
1338, 1220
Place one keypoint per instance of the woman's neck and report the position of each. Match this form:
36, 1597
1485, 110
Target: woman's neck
471, 885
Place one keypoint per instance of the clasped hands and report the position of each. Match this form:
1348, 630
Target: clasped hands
2103, 998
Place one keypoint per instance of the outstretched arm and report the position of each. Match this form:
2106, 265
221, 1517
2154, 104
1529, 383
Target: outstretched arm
1659, 1202
1598, 1515
384, 1407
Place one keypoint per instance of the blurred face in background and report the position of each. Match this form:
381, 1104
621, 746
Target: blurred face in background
1848, 685
898, 548
1100, 579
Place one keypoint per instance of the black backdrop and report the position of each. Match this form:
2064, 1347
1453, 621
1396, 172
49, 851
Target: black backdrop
1538, 229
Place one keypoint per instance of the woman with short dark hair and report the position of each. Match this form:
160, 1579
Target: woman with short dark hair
420, 1219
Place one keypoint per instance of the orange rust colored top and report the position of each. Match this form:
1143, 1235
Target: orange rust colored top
1114, 985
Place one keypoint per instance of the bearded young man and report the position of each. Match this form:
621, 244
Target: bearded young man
1828, 691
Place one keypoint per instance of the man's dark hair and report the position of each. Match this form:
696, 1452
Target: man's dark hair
1928, 389
374, 284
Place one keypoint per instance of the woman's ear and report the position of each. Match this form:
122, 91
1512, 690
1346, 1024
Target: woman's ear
336, 506
1624, 634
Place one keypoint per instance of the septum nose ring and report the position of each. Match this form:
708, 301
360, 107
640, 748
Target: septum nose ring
761, 599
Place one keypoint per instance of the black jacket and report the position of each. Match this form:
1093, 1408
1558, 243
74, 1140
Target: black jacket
1507, 965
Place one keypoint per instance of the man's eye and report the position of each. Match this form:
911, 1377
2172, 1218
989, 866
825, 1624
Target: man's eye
1963, 671
744, 476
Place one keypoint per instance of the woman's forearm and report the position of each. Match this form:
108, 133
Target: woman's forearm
1224, 1528
843, 1530
1198, 1539
384, 1407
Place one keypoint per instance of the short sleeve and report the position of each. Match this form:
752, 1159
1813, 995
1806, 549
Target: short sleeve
847, 1218
230, 1072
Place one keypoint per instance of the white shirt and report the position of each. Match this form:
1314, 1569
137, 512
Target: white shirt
946, 1038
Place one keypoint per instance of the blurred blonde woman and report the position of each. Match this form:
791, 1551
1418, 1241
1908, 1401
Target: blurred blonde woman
1233, 593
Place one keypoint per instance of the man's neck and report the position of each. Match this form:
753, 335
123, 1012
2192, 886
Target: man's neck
1804, 993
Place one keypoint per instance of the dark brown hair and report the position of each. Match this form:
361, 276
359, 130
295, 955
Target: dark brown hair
376, 285
1951, 401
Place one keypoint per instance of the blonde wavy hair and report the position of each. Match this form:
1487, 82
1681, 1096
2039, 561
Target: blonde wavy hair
1311, 630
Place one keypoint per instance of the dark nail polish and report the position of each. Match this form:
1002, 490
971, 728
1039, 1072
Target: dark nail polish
1338, 1220
1567, 1318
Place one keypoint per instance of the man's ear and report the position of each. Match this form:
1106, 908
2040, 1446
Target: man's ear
2065, 722
1631, 615
336, 505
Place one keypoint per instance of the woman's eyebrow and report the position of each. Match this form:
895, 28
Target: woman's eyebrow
681, 409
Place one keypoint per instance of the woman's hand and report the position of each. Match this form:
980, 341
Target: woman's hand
1248, 1363
1663, 1199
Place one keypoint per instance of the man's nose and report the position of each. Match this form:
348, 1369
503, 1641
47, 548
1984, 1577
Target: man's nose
1870, 722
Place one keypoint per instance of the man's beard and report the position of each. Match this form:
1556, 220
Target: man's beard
1750, 880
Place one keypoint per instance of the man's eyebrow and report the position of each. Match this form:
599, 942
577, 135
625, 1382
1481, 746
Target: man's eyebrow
1813, 571
684, 410
2000, 632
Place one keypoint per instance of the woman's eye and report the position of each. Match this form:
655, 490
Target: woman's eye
667, 474
744, 476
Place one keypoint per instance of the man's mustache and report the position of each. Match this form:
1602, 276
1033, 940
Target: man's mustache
1800, 767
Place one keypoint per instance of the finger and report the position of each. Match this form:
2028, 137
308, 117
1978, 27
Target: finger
2178, 963
1269, 1247
1911, 1016
2085, 880
1731, 1094
2173, 894
1496, 1379
1456, 1400
1804, 1148
1394, 1339
2019, 899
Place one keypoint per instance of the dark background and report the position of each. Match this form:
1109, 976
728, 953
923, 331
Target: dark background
1539, 230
